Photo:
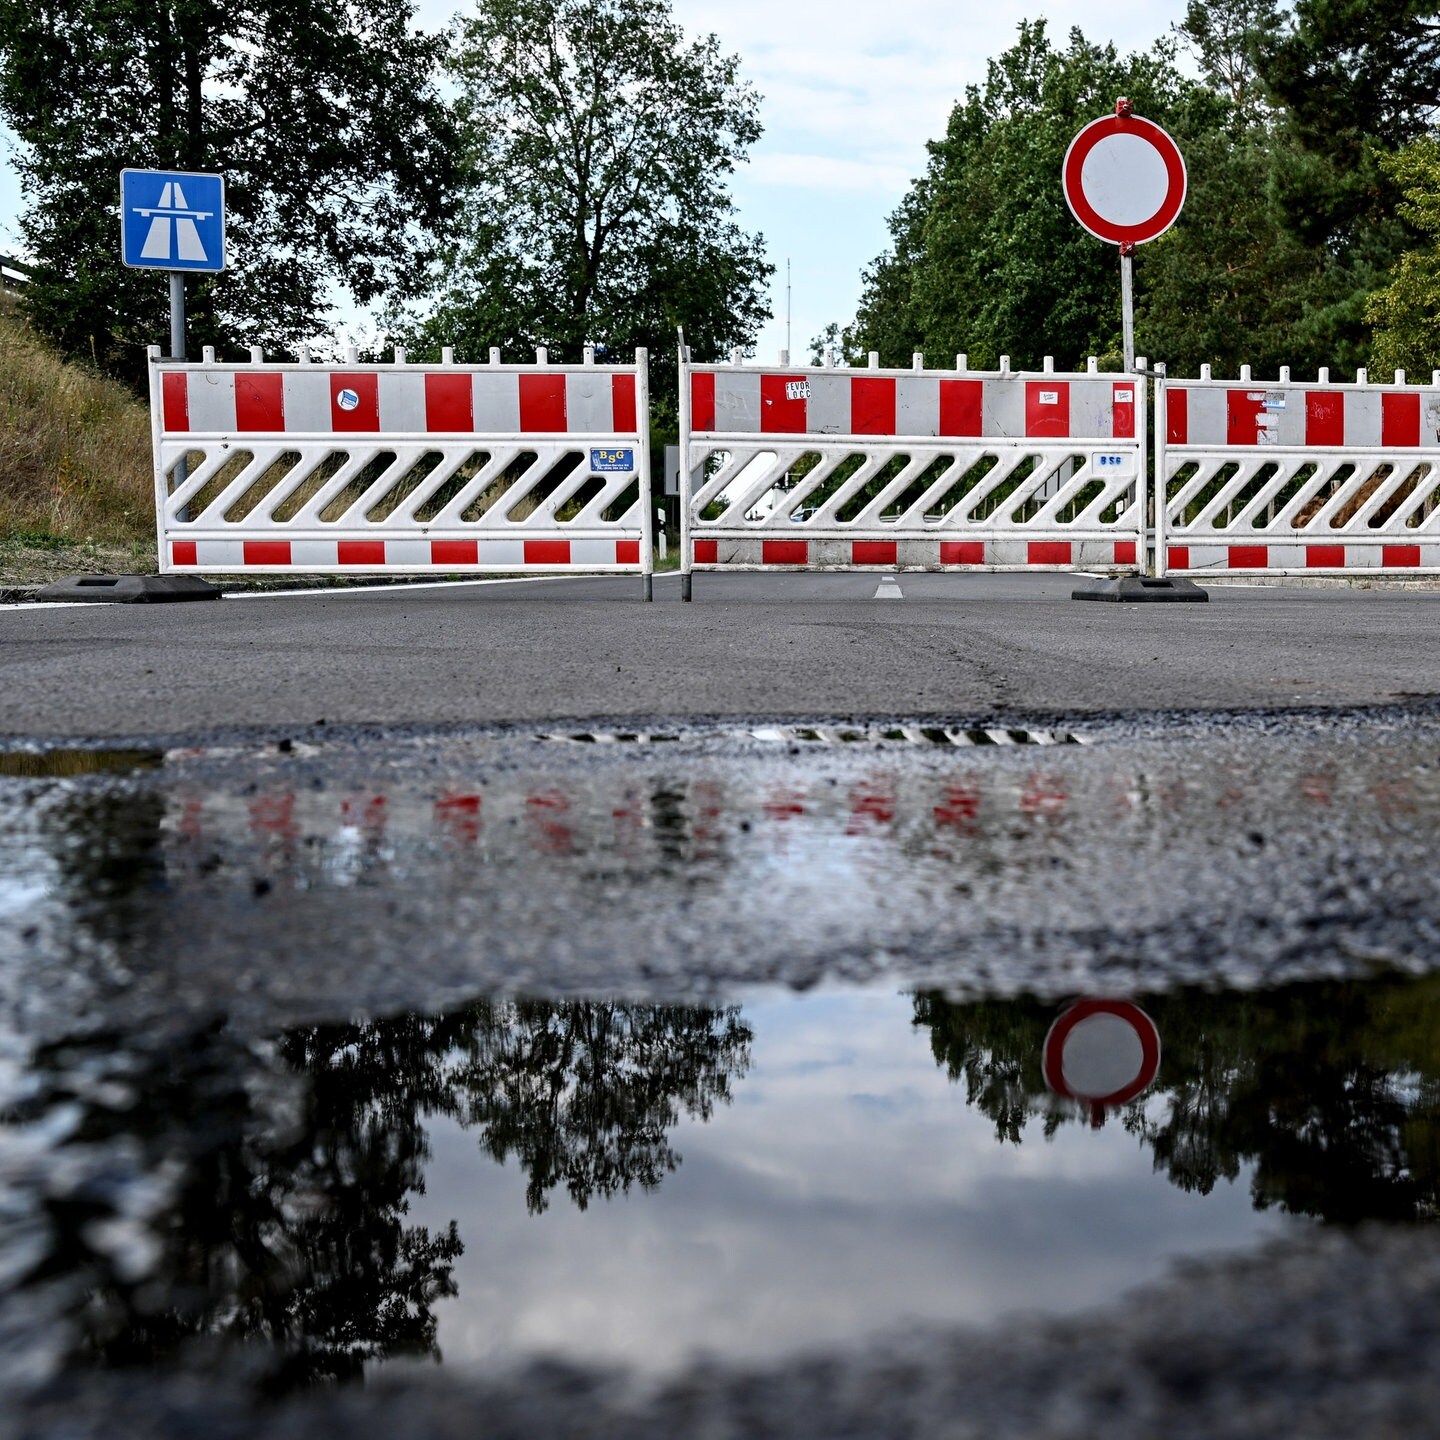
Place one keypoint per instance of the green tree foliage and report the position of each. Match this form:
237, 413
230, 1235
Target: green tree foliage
288, 1167
987, 258
1289, 226
1406, 313
599, 142
322, 114
1328, 1094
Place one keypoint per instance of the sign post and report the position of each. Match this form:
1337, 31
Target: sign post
173, 220
1125, 182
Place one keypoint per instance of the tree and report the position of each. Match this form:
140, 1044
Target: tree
987, 259
1406, 313
323, 115
273, 1180
1328, 1094
598, 142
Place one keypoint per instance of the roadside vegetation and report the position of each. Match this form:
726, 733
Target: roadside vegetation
75, 479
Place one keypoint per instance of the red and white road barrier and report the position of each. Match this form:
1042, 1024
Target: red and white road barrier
831, 469
387, 469
1284, 478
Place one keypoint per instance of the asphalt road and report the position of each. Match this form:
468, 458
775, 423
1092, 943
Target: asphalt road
751, 644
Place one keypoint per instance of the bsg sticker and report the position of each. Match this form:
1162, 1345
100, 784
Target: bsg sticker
348, 400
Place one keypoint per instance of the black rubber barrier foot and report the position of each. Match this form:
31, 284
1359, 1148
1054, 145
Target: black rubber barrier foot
685, 587
1142, 590
648, 588
130, 589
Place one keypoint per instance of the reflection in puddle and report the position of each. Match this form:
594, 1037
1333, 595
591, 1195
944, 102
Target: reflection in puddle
609, 1182
65, 763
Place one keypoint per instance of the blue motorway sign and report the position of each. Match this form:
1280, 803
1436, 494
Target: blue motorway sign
172, 220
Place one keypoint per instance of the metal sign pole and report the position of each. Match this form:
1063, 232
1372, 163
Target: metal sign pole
177, 315
1127, 304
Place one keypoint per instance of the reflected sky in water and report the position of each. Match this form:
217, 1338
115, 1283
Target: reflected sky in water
850, 1188
609, 1182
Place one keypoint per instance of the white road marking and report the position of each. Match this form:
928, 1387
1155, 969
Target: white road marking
889, 589
25, 607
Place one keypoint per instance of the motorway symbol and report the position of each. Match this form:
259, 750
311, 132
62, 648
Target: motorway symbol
172, 220
1124, 179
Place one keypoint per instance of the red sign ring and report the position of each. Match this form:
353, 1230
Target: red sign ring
1133, 1016
1108, 230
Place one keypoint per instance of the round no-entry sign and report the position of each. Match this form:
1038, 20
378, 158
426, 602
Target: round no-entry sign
1124, 179
1102, 1051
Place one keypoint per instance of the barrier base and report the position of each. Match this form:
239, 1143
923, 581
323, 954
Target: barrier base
1142, 590
129, 589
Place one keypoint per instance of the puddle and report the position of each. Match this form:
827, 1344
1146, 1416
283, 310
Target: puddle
286, 880
812, 1109
633, 1184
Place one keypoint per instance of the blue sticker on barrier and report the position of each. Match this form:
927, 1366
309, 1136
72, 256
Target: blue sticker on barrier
605, 462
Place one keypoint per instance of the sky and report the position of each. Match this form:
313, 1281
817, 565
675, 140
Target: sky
852, 91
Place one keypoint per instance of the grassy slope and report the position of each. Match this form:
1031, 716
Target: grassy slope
76, 491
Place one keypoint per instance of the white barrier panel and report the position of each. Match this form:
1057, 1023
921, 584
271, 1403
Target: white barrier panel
833, 469
386, 469
1283, 478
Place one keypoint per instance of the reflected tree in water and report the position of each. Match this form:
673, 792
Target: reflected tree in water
1329, 1092
584, 1096
279, 1175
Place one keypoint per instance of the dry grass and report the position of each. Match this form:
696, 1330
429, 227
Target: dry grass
74, 448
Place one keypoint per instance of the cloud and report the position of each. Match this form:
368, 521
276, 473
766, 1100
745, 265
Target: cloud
828, 172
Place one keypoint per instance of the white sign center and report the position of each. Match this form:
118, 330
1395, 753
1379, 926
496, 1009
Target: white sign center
1102, 1055
1124, 179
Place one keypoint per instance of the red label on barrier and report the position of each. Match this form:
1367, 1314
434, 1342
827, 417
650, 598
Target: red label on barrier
962, 552
1243, 409
1325, 557
547, 552
184, 552
784, 401
627, 552
175, 402
1125, 552
707, 552
355, 402
1048, 552
1400, 419
449, 404
962, 407
1122, 410
873, 552
702, 401
622, 400
542, 404
266, 552
872, 405
1047, 409
1248, 557
1178, 557
1177, 417
1400, 557
259, 403
454, 552
785, 552
1324, 417
360, 552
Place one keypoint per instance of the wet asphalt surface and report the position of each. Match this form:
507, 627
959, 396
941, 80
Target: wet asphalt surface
369, 805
